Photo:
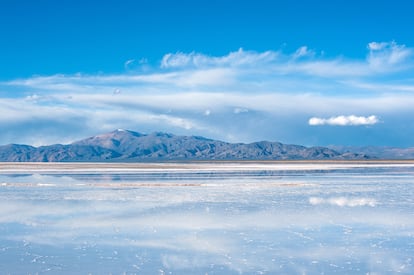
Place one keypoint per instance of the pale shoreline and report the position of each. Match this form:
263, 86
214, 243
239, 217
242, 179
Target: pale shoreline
110, 167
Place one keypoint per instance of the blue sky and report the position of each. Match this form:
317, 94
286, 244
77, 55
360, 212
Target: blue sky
304, 72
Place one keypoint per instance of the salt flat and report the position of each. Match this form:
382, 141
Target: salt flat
207, 218
7, 167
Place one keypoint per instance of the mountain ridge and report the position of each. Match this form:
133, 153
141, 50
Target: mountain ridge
380, 152
125, 145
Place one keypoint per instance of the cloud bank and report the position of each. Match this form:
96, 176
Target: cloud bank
243, 96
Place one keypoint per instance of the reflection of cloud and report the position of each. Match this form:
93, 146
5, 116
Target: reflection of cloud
240, 110
185, 237
184, 261
342, 201
231, 224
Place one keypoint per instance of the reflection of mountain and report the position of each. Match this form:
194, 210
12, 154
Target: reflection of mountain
164, 176
123, 145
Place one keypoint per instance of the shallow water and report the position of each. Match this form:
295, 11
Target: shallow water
207, 218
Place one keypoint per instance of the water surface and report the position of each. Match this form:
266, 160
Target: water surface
207, 218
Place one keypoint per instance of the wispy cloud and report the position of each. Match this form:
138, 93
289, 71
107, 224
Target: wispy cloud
382, 57
303, 51
344, 120
128, 63
385, 54
195, 93
233, 59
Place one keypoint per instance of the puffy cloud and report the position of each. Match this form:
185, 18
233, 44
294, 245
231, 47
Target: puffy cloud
344, 120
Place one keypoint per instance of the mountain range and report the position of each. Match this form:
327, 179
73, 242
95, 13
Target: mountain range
378, 152
128, 146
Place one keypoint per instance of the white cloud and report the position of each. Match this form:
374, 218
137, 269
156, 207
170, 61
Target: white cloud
238, 58
344, 120
385, 54
275, 91
33, 97
335, 68
207, 77
302, 52
382, 57
175, 121
128, 63
376, 46
134, 64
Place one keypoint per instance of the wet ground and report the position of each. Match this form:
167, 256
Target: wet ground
207, 218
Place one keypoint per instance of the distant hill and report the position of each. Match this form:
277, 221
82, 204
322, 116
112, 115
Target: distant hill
128, 146
380, 152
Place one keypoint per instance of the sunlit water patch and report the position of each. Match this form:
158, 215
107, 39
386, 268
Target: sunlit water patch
207, 218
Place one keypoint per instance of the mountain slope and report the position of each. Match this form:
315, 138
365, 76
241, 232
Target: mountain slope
381, 152
124, 145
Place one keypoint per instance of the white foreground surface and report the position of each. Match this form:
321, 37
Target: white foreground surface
207, 218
